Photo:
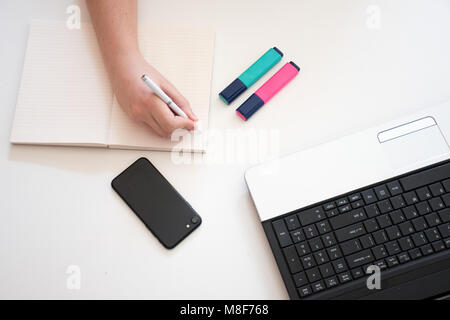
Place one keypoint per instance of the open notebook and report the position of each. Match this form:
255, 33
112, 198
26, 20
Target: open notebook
65, 97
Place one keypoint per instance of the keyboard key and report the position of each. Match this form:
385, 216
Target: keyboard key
406, 228
410, 212
310, 231
292, 222
345, 208
315, 244
384, 206
292, 259
311, 216
326, 270
410, 198
357, 273
433, 234
381, 264
379, 252
341, 202
371, 225
350, 232
426, 249
329, 239
282, 233
308, 261
393, 233
300, 279
437, 189
318, 286
329, 206
392, 247
369, 196
436, 204
313, 274
332, 213
331, 282
423, 208
446, 185
304, 291
323, 227
446, 199
438, 246
372, 210
406, 243
426, 177
367, 241
398, 202
382, 192
321, 257
397, 216
380, 237
350, 246
357, 204
344, 277
384, 221
394, 187
392, 261
302, 248
339, 265
419, 224
359, 259
424, 193
419, 239
348, 218
297, 235
447, 242
433, 219
334, 252
415, 253
354, 197
403, 257
444, 230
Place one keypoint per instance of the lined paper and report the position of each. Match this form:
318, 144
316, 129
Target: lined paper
65, 97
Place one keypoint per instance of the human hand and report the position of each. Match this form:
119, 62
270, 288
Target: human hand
140, 103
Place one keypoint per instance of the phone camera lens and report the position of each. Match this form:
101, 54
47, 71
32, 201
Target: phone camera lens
195, 219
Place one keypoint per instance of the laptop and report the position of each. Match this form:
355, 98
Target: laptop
366, 216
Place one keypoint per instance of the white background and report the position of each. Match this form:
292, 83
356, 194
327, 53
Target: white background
56, 204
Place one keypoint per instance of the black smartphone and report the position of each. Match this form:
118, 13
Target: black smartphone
153, 199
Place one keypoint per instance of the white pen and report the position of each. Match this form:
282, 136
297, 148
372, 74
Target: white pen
163, 96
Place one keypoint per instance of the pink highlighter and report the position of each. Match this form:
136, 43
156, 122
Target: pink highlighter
268, 90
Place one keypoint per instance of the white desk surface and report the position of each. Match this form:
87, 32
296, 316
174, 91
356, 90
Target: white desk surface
57, 207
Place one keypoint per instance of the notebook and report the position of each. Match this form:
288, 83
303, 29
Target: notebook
65, 97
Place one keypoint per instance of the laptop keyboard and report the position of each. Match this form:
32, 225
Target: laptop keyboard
387, 225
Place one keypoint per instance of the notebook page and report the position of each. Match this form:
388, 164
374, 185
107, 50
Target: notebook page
64, 97
184, 55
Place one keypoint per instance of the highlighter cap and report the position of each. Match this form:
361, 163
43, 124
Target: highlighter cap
232, 91
249, 107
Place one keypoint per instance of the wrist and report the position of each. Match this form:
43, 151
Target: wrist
122, 63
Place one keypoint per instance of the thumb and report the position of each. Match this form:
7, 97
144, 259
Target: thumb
184, 123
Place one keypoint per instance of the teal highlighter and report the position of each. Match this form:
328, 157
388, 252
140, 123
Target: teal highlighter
251, 75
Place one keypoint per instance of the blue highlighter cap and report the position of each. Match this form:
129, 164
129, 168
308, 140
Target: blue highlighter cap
249, 107
233, 91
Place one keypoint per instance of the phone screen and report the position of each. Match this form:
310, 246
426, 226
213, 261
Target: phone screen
153, 199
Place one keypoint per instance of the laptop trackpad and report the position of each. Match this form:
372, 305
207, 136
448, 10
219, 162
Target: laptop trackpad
413, 142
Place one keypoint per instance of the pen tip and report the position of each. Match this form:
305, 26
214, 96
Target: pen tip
143, 76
